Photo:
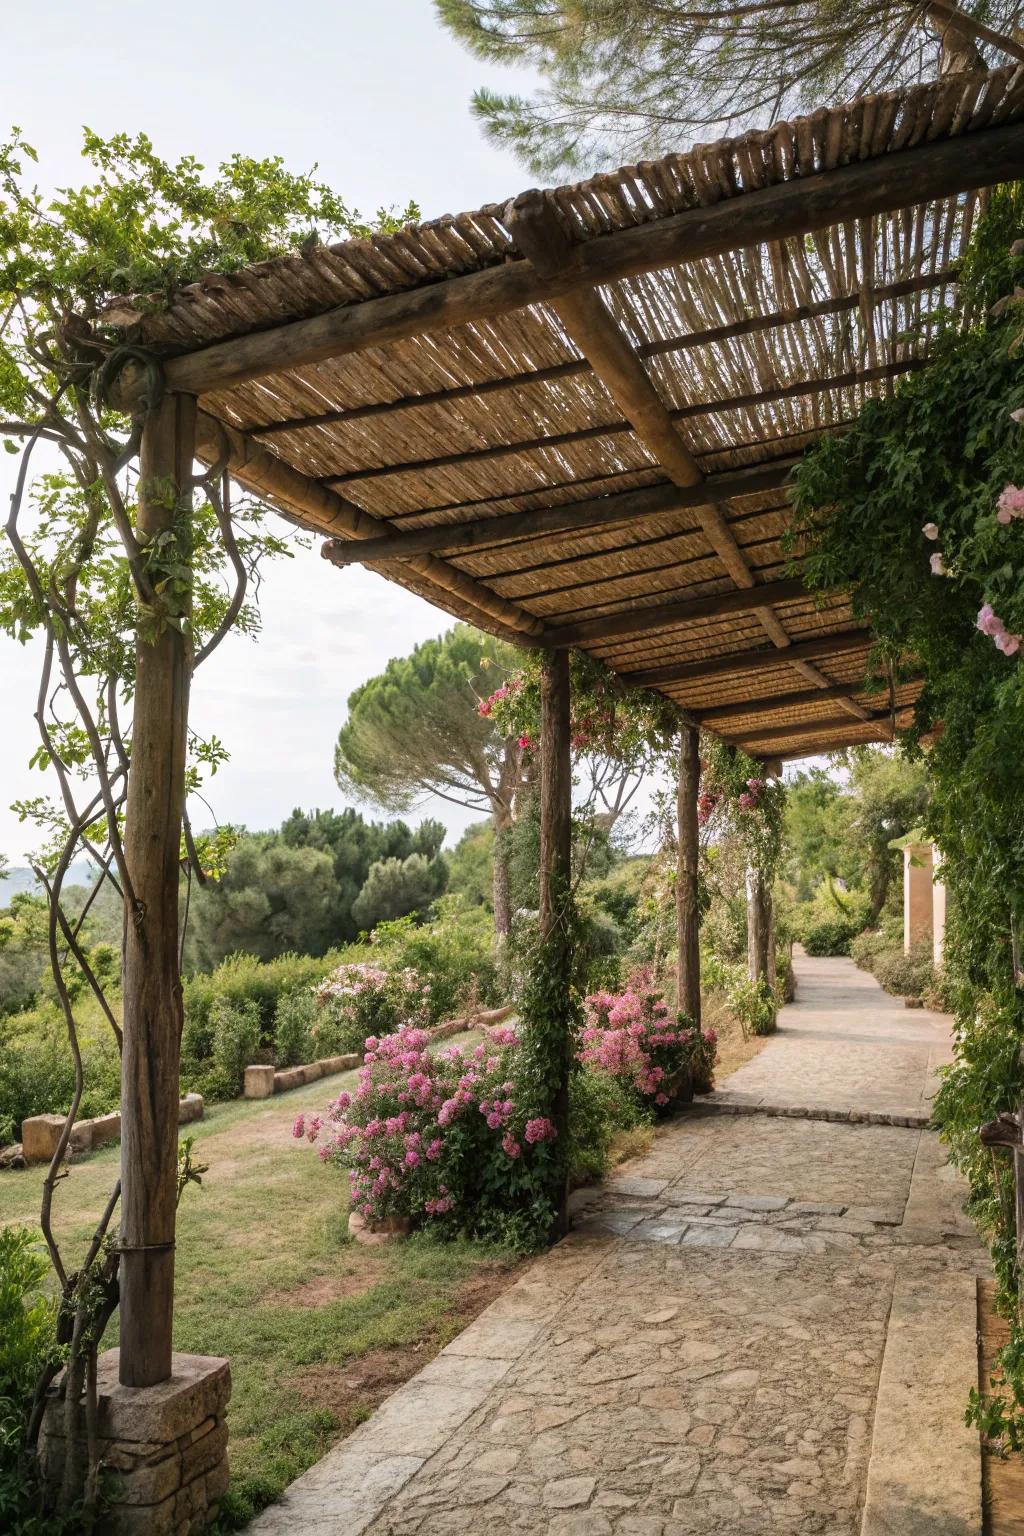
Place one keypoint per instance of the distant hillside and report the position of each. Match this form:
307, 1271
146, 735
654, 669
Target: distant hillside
20, 878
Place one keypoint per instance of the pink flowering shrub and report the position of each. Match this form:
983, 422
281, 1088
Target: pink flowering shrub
359, 999
441, 1137
632, 1036
991, 624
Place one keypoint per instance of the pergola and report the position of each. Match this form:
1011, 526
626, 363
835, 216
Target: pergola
569, 420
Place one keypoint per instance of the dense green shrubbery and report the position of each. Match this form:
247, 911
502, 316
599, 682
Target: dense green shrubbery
454, 953
294, 1018
905, 975
870, 945
247, 1010
916, 510
755, 1004
233, 1011
27, 1343
601, 1108
36, 1071
830, 935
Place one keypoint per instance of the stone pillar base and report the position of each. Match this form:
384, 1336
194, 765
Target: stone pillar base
164, 1448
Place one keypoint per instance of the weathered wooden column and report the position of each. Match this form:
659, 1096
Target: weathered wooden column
760, 949
687, 855
151, 978
556, 872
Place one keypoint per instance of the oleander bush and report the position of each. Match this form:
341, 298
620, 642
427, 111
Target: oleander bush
633, 1037
444, 1138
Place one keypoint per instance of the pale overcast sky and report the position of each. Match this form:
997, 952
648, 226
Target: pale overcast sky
375, 93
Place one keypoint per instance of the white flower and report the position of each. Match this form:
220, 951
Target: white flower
1018, 415
937, 564
930, 530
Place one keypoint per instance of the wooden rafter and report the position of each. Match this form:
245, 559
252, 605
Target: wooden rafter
679, 610
868, 735
853, 378
744, 662
595, 512
539, 232
771, 703
315, 506
713, 336
759, 736
797, 206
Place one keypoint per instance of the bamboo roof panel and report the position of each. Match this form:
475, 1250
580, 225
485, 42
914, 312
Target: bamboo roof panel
746, 356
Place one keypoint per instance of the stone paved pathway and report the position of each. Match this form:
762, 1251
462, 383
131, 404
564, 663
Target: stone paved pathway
768, 1324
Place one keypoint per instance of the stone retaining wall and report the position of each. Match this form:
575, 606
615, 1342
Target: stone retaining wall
261, 1082
41, 1133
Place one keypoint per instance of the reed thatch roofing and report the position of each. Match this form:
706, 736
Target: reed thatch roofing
592, 396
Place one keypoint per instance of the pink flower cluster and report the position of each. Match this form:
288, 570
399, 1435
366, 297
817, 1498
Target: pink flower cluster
749, 798
486, 706
358, 998
418, 1119
1010, 504
991, 624
631, 1036
708, 802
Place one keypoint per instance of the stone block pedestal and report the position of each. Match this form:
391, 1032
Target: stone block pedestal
164, 1448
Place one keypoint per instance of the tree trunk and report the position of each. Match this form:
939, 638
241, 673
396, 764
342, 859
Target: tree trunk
687, 903
760, 960
555, 879
501, 896
151, 979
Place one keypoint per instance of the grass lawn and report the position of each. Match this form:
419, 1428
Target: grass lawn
318, 1329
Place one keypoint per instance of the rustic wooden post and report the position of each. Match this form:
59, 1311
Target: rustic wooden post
760, 955
687, 906
151, 978
556, 868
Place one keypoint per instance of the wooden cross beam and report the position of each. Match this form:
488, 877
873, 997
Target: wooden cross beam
681, 610
901, 179
820, 747
721, 713
852, 378
595, 512
797, 730
314, 506
835, 304
838, 644
539, 232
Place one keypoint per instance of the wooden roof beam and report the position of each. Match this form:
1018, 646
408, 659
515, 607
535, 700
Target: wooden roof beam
752, 325
901, 179
797, 730
721, 713
684, 610
741, 663
315, 507
795, 389
538, 231
869, 736
595, 512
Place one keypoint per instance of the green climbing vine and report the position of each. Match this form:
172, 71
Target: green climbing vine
917, 509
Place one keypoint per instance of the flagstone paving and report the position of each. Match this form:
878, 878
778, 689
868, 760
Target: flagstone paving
768, 1324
